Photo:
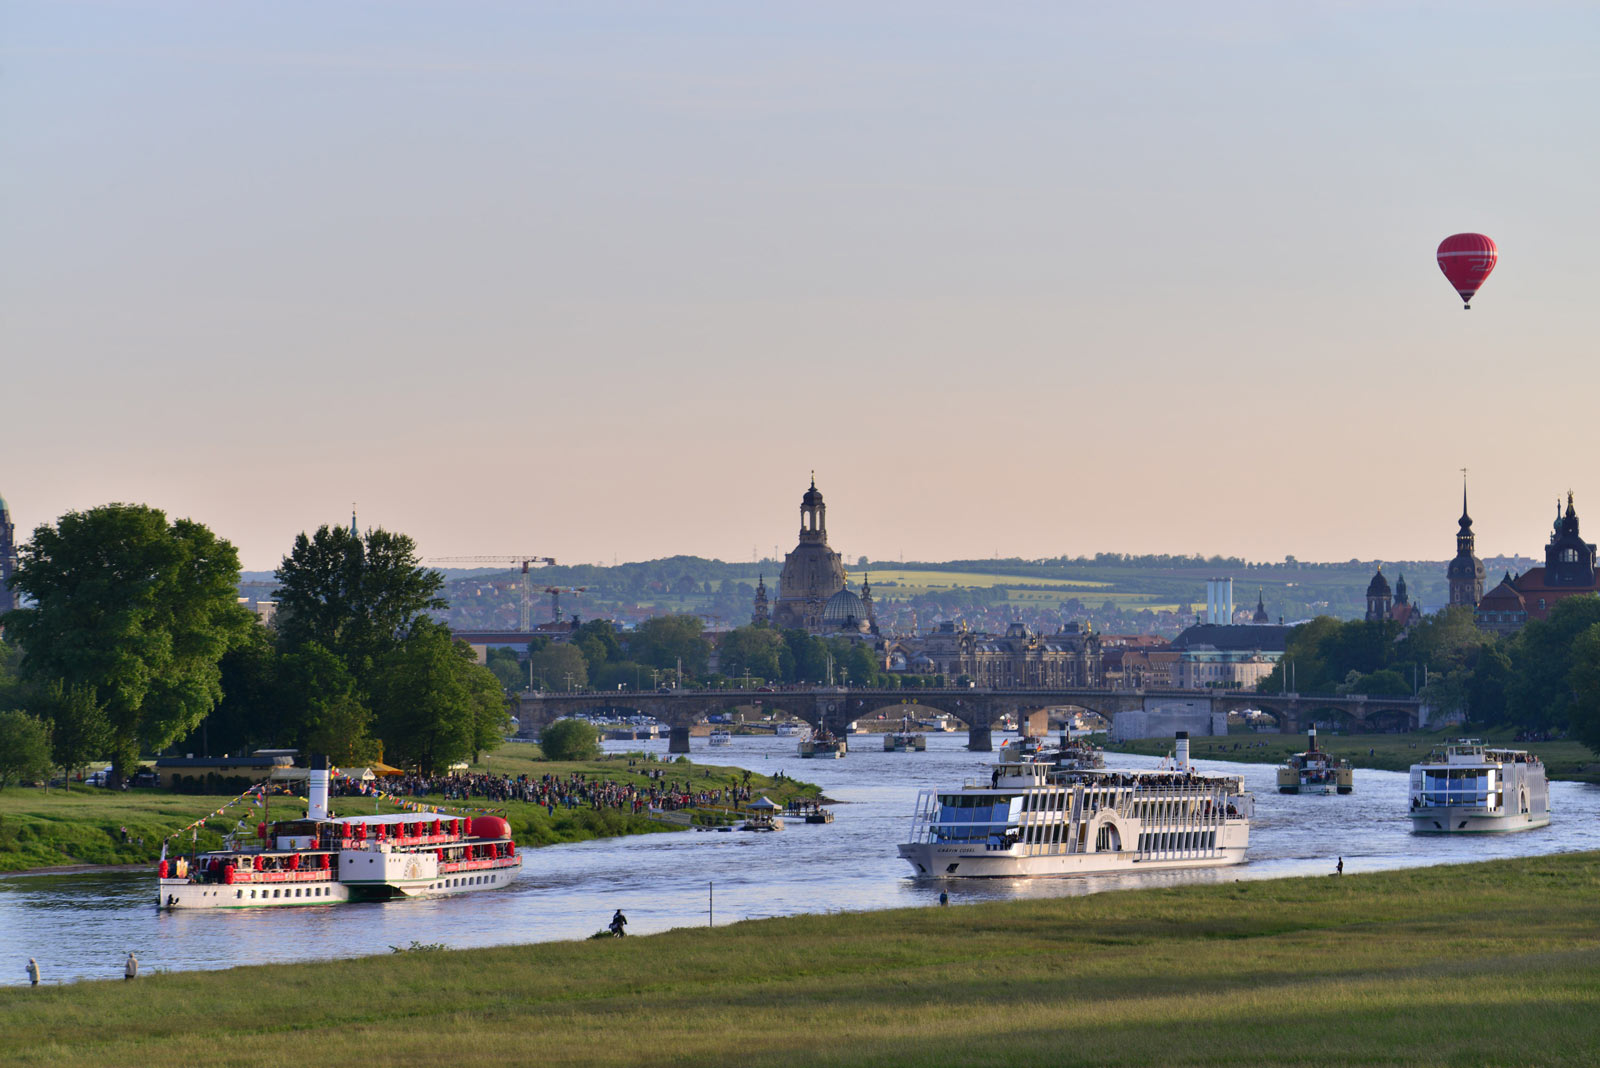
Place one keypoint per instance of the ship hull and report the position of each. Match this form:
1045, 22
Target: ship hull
956, 862
1442, 820
176, 894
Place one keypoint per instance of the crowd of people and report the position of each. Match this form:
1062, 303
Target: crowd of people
552, 792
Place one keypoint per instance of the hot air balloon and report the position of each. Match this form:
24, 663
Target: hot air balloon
1466, 260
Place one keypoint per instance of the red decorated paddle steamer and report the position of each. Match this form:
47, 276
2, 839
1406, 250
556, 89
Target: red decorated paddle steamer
322, 860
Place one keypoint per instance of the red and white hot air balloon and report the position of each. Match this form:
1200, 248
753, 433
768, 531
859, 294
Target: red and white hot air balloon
1466, 260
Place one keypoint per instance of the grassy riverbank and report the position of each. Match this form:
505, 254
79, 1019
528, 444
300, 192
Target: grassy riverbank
45, 829
1495, 963
1565, 760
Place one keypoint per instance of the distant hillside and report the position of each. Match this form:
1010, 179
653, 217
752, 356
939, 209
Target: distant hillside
1114, 593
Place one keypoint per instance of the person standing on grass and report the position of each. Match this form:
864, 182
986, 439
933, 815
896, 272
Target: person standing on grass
33, 971
1339, 868
130, 970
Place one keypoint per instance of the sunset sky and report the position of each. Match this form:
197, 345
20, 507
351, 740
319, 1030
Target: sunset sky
598, 281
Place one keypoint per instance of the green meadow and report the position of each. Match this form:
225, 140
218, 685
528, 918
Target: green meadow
1483, 964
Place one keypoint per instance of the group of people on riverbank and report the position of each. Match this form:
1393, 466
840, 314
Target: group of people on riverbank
551, 792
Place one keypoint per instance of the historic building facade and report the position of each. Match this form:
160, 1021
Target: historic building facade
811, 575
1019, 659
8, 557
1568, 571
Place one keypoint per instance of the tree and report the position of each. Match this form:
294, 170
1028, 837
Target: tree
751, 650
79, 729
1584, 678
665, 641
322, 708
507, 668
491, 713
427, 701
559, 667
139, 610
358, 596
24, 748
570, 739
252, 712
1539, 693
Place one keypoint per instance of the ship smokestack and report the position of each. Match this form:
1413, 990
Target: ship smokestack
1312, 734
1183, 750
317, 788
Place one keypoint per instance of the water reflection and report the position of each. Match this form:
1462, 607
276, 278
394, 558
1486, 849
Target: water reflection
81, 926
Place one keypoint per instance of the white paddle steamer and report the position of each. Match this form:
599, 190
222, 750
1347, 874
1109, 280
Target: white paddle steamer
321, 860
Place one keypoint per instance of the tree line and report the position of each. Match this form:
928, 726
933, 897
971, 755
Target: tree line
132, 642
1544, 679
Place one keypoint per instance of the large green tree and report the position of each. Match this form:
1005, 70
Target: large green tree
358, 596
139, 609
433, 700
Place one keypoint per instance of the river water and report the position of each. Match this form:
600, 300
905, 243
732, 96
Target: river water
82, 926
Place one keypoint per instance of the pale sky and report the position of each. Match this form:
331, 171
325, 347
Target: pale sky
597, 280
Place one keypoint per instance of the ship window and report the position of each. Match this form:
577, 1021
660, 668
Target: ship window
238, 893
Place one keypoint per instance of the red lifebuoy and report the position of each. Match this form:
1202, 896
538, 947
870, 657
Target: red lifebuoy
161, 870
261, 830
322, 862
259, 864
294, 862
227, 874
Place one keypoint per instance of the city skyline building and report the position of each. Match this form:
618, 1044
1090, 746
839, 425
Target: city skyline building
812, 573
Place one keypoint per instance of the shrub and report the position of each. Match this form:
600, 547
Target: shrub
570, 739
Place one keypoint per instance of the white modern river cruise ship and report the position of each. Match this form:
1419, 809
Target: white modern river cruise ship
1038, 818
1465, 787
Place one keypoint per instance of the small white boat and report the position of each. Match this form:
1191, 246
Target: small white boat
720, 738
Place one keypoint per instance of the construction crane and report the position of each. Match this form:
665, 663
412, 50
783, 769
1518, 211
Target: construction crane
525, 615
555, 593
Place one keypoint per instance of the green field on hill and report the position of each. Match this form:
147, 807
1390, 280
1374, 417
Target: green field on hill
1495, 963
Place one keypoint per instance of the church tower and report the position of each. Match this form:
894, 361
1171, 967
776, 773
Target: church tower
8, 557
759, 617
1379, 599
812, 573
1465, 572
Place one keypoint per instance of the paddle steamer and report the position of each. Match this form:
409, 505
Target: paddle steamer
1315, 771
1040, 818
321, 860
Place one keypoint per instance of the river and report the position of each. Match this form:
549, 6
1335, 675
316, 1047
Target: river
81, 926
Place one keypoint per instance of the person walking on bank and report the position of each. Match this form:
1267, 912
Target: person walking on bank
33, 971
130, 970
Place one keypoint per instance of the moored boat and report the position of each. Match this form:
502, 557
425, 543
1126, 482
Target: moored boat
1466, 787
1033, 818
319, 859
1315, 771
823, 744
905, 742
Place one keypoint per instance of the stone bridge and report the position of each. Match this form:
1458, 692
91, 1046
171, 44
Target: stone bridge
832, 707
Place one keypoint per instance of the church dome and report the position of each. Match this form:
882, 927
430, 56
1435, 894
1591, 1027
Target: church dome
844, 609
812, 495
1379, 586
